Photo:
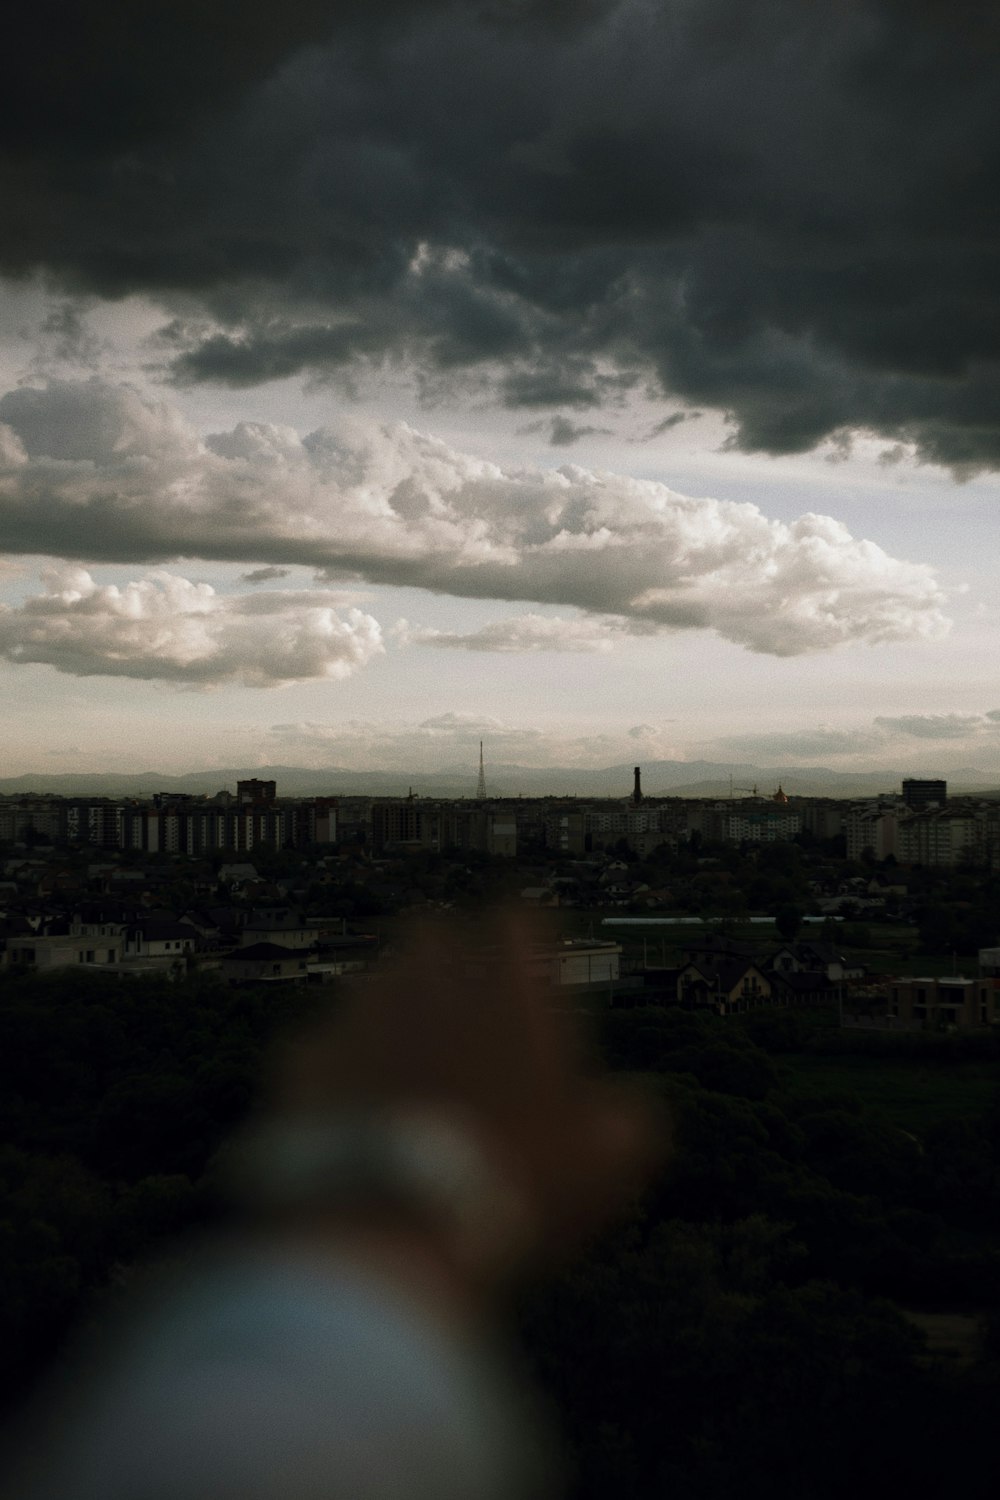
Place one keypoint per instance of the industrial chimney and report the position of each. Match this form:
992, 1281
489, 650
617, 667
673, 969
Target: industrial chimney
637, 793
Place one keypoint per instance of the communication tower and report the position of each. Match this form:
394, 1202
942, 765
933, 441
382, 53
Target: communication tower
481, 785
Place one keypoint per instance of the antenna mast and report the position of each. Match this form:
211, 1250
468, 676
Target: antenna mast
481, 787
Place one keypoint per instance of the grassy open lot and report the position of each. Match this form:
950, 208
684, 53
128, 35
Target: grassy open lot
913, 1093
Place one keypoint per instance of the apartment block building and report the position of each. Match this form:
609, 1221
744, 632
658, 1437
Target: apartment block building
872, 826
566, 831
822, 817
929, 792
767, 825
40, 817
937, 838
412, 823
198, 827
745, 820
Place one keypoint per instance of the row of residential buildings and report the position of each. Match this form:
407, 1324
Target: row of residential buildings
964, 830
174, 824
729, 977
255, 946
919, 826
127, 919
265, 945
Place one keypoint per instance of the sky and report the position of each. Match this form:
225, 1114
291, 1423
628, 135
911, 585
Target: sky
608, 380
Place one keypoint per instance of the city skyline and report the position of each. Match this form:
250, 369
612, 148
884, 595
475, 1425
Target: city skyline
647, 422
665, 781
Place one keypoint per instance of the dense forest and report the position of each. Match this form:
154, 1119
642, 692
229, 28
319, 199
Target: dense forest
764, 1322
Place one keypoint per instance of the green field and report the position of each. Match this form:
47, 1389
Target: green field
912, 1093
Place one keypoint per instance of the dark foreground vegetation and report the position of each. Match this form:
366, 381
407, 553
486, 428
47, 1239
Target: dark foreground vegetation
805, 1304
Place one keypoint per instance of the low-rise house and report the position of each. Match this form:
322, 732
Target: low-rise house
575, 964
100, 931
204, 927
540, 895
264, 963
345, 953
989, 963
274, 914
804, 987
64, 951
287, 932
951, 1003
727, 988
581, 961
816, 958
157, 939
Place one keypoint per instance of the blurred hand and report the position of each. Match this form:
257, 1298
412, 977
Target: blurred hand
464, 1026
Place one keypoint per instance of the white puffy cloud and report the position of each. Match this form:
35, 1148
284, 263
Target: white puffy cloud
521, 633
167, 627
94, 471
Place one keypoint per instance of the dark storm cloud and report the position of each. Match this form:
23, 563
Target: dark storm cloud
786, 211
114, 72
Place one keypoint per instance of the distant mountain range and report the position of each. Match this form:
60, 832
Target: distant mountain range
683, 778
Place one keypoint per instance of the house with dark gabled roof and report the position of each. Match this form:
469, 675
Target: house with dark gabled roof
812, 958
727, 988
819, 959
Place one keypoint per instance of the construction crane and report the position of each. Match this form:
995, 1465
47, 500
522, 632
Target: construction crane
751, 790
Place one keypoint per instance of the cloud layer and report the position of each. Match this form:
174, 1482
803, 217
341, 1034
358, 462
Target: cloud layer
167, 627
522, 633
966, 733
785, 211
97, 472
942, 726
448, 740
